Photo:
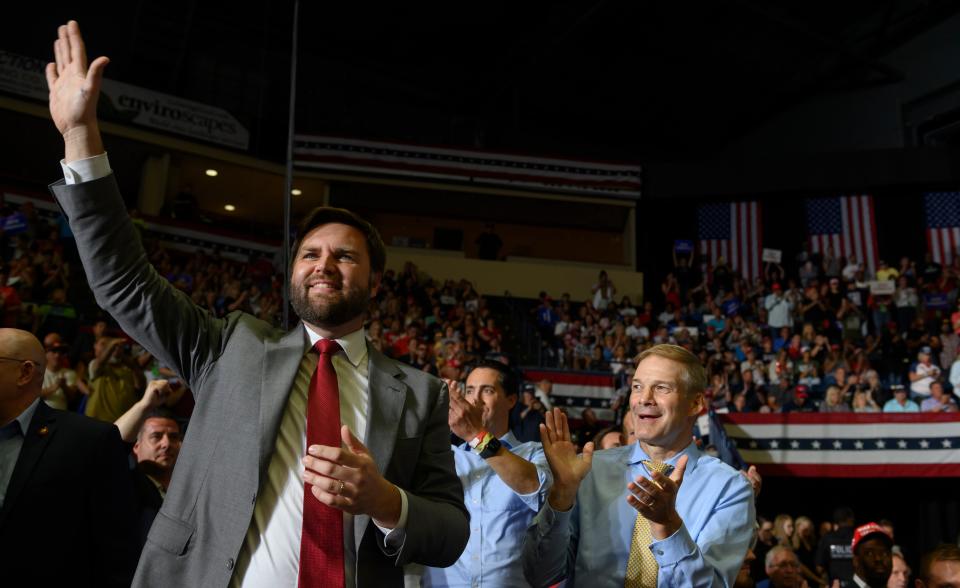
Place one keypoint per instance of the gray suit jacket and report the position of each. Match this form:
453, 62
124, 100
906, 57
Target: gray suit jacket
241, 370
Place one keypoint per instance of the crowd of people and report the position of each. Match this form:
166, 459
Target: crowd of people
327, 455
822, 337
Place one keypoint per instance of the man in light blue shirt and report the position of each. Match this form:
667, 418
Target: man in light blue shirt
504, 482
900, 402
700, 516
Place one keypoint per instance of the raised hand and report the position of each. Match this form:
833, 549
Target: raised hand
568, 468
464, 417
156, 393
74, 89
656, 499
347, 478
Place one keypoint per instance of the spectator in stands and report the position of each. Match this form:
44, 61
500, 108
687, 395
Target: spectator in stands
114, 381
783, 569
940, 568
779, 308
156, 438
863, 402
783, 529
800, 401
609, 438
833, 401
900, 572
939, 400
885, 272
60, 383
603, 291
900, 402
543, 390
529, 416
805, 546
922, 374
765, 542
504, 481
872, 556
834, 554
906, 301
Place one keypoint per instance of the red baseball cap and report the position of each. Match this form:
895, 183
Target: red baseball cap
869, 530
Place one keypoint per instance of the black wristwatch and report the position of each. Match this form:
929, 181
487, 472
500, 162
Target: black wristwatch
493, 446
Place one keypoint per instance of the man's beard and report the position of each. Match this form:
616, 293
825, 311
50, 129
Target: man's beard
329, 313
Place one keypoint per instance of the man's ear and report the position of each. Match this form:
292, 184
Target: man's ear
696, 405
512, 400
375, 279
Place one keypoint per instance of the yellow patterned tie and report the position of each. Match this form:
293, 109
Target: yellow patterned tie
642, 568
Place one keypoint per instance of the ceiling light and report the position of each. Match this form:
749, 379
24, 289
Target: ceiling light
296, 191
212, 173
229, 207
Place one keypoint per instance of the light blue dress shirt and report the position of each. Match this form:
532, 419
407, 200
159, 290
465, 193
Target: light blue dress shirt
11, 442
498, 519
591, 541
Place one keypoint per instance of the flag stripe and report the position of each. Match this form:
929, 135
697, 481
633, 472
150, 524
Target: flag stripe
847, 225
733, 231
861, 471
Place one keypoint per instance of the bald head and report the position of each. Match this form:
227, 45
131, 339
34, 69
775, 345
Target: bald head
21, 345
22, 363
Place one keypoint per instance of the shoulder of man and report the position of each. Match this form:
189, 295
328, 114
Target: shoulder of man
414, 377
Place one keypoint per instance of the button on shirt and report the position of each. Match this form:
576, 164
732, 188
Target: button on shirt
11, 442
498, 518
592, 540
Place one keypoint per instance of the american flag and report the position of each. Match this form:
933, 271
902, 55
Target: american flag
845, 445
732, 231
942, 212
847, 225
576, 391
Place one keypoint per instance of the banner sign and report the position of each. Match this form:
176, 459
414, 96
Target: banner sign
575, 391
847, 445
464, 165
124, 103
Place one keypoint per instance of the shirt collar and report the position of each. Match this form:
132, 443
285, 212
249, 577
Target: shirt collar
26, 416
354, 344
860, 582
693, 454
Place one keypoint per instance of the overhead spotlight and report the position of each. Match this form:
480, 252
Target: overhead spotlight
296, 191
212, 173
229, 207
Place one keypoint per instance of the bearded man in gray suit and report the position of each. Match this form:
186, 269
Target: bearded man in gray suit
236, 509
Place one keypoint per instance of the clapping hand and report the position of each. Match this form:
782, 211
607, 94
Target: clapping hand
568, 468
347, 478
464, 417
655, 498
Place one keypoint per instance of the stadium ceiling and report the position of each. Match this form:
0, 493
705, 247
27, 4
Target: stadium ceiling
604, 79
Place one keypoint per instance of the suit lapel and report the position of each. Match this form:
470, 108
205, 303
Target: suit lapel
280, 363
34, 444
387, 395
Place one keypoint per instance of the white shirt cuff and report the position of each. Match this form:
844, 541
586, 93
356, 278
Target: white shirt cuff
394, 537
86, 170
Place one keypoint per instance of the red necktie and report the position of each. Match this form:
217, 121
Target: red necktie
321, 541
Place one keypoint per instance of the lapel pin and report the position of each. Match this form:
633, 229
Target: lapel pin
42, 431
